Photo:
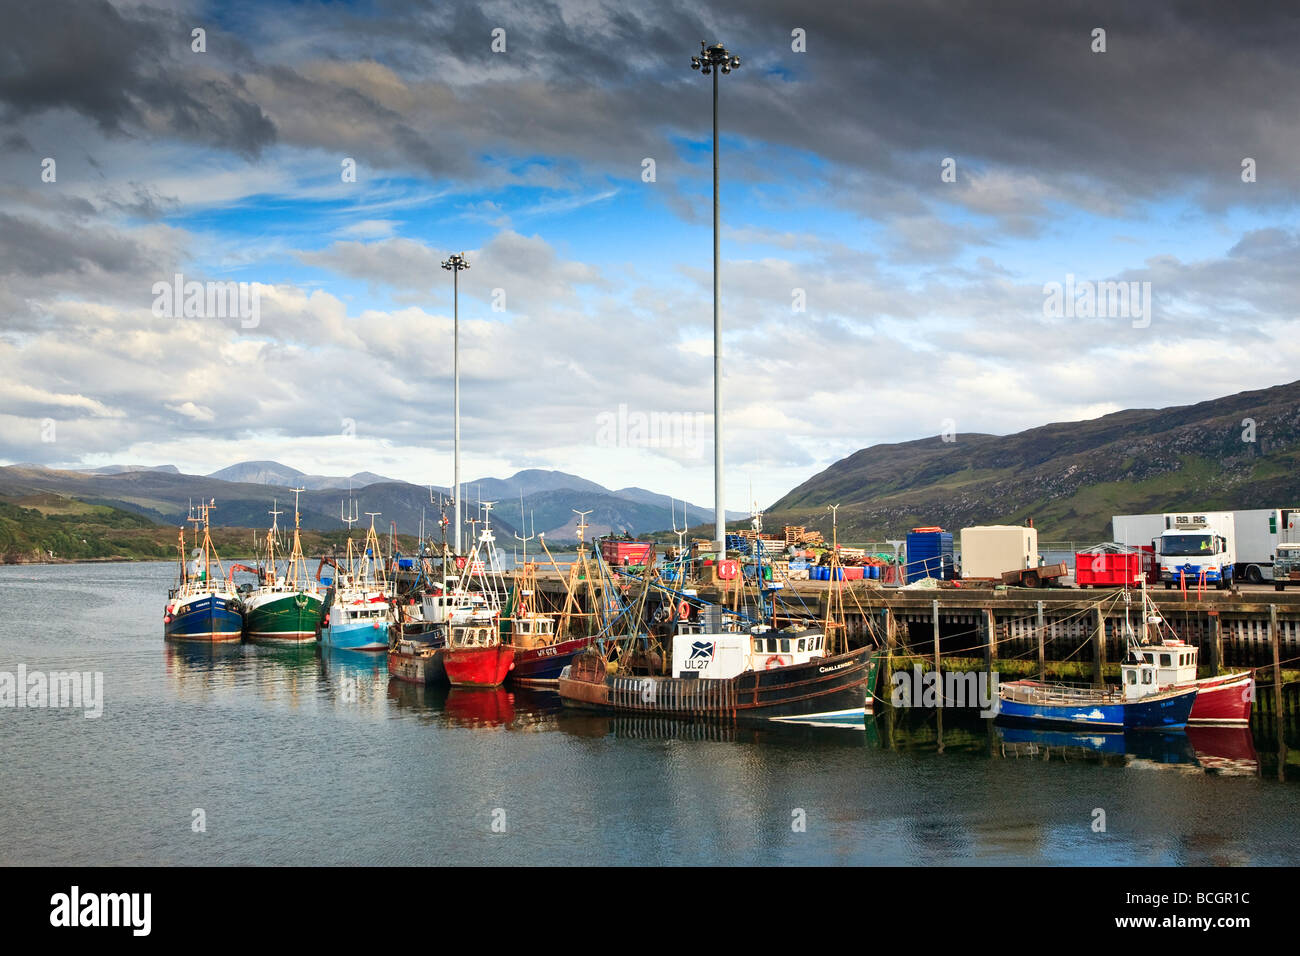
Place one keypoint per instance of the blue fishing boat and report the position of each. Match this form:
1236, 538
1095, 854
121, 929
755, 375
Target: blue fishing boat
1143, 701
1109, 708
357, 612
203, 606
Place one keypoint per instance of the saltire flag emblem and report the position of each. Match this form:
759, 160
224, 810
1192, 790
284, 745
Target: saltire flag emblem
702, 650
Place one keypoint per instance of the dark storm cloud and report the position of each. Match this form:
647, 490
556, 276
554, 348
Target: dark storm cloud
31, 248
1182, 94
120, 70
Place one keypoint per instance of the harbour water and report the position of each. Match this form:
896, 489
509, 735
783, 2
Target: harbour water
304, 756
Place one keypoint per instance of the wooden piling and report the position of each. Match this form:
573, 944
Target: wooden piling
934, 610
1042, 651
990, 636
938, 678
1275, 638
1099, 648
1216, 643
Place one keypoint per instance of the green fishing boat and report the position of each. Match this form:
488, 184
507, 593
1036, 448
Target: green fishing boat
288, 604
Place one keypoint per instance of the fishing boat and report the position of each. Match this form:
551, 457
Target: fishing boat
203, 606
1138, 705
417, 661
287, 606
541, 650
419, 655
475, 655
721, 669
357, 613
1225, 699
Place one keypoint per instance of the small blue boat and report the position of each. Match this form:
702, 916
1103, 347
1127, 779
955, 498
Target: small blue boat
1083, 706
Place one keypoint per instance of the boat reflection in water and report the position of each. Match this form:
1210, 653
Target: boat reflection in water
1217, 750
482, 707
1228, 751
582, 723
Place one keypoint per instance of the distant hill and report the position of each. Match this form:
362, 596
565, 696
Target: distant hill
1070, 477
245, 493
274, 473
118, 469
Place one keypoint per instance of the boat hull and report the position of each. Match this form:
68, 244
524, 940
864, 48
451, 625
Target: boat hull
831, 691
541, 666
285, 619
209, 618
425, 667
356, 635
1159, 711
478, 666
1223, 700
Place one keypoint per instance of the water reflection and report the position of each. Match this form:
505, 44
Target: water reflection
357, 683
476, 707
1223, 751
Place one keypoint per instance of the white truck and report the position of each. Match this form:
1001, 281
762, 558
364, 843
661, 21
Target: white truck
1198, 547
1257, 534
1191, 547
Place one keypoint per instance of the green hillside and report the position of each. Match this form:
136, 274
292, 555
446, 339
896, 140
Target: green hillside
1068, 477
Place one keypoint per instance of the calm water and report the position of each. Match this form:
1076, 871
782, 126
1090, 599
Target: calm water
304, 757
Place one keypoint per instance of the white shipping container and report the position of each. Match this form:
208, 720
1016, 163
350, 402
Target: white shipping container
989, 550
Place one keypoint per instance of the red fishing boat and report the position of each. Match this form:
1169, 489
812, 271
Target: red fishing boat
1224, 699
475, 655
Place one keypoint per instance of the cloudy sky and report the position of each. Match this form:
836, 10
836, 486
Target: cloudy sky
867, 296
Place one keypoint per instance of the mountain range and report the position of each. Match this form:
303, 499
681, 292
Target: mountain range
1229, 453
245, 493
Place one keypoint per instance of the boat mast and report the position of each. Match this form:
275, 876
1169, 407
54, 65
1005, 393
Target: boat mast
270, 539
210, 556
370, 557
296, 572
834, 622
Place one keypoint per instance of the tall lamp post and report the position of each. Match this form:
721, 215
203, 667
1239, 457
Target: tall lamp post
716, 59
456, 263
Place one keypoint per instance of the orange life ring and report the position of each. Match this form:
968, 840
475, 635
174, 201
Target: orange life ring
777, 660
683, 610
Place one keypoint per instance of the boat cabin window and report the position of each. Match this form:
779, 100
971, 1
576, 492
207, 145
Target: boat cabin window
1151, 658
758, 645
1146, 677
785, 645
1166, 660
800, 645
1131, 676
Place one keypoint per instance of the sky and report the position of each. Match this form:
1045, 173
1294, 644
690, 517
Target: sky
902, 187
